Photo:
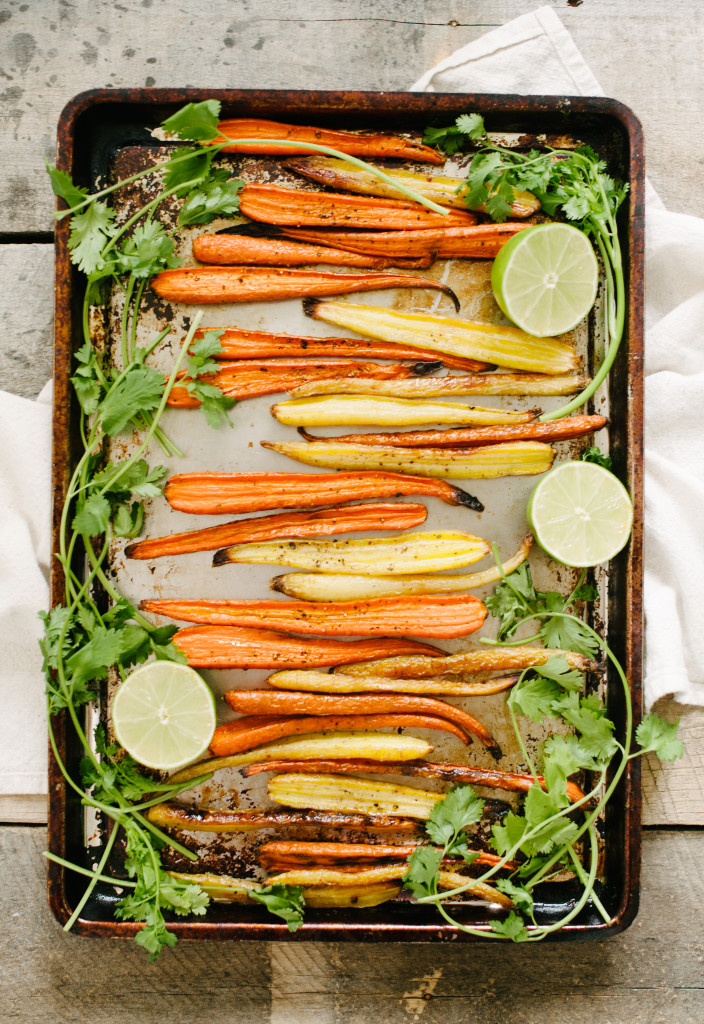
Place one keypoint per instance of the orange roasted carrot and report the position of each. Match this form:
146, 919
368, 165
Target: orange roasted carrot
442, 616
302, 852
271, 702
240, 344
232, 493
375, 516
471, 437
169, 815
238, 647
354, 143
254, 730
297, 208
480, 241
455, 773
247, 379
240, 247
203, 285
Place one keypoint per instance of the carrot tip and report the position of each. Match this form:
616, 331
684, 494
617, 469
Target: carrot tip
463, 497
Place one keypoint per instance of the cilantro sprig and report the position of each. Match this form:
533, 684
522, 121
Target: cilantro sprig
573, 183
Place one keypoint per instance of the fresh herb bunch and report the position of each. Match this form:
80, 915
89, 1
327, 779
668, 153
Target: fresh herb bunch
573, 183
553, 832
82, 641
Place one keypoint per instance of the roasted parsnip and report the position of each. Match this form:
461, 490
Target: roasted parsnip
367, 410
517, 458
375, 556
340, 587
490, 343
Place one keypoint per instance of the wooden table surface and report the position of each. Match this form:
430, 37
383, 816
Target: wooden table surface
647, 55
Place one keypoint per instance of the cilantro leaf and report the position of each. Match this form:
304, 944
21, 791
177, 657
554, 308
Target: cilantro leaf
216, 196
588, 717
655, 734
459, 809
90, 232
568, 634
534, 698
197, 122
140, 390
186, 166
93, 516
148, 250
512, 928
520, 896
62, 186
423, 866
450, 140
595, 455
285, 901
557, 668
471, 125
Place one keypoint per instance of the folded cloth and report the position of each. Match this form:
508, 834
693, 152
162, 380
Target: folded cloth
25, 475
536, 54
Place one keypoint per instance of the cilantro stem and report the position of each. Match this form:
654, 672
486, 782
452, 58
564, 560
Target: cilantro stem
93, 882
117, 882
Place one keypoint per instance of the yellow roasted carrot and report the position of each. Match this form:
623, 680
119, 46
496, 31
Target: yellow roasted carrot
489, 659
171, 815
325, 682
363, 410
444, 387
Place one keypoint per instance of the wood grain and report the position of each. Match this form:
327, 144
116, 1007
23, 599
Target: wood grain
649, 975
53, 49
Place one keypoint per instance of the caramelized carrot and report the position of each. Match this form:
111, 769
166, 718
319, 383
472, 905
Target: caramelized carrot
375, 516
203, 285
240, 344
471, 437
297, 208
240, 247
254, 730
169, 815
235, 647
480, 241
269, 702
447, 616
252, 379
455, 773
232, 493
354, 143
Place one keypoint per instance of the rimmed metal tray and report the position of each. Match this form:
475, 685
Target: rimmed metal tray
102, 132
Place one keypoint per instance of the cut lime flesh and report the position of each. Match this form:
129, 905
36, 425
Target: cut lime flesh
580, 514
545, 278
164, 715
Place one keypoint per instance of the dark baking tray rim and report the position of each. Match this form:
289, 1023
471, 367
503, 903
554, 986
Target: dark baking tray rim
508, 113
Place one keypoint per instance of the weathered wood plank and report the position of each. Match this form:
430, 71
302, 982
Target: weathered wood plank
26, 317
50, 51
649, 975
673, 793
23, 809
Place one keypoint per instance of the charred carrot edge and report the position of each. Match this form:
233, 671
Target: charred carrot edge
231, 493
256, 284
297, 208
455, 773
305, 851
254, 730
353, 143
555, 430
169, 815
235, 647
442, 616
239, 247
269, 702
237, 343
482, 241
376, 516
243, 380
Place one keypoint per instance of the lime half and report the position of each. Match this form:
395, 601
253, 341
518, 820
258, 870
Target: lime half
580, 514
545, 278
164, 715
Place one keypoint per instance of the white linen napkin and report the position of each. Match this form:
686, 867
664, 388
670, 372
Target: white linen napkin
533, 54
536, 54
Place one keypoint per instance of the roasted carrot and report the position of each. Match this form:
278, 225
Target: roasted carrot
232, 493
354, 143
239, 247
304, 852
256, 284
555, 430
489, 778
447, 616
297, 208
271, 702
240, 344
490, 659
169, 815
235, 647
245, 379
478, 241
375, 516
327, 682
254, 730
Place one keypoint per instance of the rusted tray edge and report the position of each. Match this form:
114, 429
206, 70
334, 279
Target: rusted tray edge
369, 103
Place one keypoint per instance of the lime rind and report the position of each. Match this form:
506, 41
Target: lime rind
541, 307
164, 715
580, 514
